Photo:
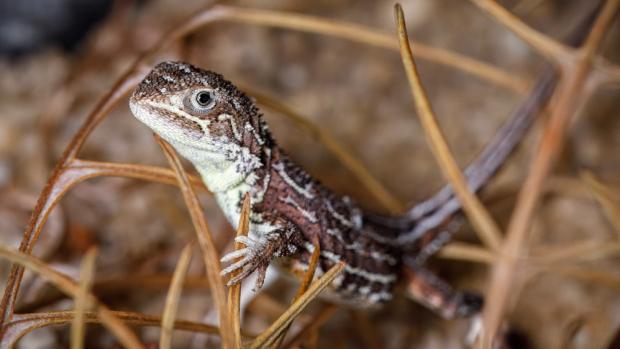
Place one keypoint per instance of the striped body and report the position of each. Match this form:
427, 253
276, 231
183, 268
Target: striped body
231, 147
337, 223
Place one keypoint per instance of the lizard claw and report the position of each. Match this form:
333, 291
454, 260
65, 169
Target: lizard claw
251, 258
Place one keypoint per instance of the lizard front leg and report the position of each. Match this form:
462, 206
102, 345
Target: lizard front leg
261, 248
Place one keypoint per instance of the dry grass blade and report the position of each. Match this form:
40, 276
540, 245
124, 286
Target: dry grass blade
488, 231
124, 335
358, 169
173, 298
234, 292
309, 275
545, 45
23, 324
466, 252
548, 150
269, 336
305, 283
209, 252
90, 169
602, 194
87, 275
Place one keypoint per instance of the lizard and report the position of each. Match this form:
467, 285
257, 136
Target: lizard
220, 130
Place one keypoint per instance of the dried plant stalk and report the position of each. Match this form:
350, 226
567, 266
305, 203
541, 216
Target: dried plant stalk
209, 252
23, 324
466, 252
173, 298
305, 283
87, 275
234, 292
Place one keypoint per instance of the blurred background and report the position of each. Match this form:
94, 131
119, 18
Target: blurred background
58, 57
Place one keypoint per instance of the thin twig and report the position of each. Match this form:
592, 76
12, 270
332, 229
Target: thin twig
466, 252
234, 292
87, 275
173, 297
305, 284
209, 252
22, 324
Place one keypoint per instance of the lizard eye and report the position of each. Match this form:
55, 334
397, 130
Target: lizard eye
204, 98
201, 101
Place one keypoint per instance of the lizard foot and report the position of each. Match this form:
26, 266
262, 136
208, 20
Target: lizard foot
255, 256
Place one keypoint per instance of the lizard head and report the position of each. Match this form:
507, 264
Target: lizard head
203, 116
186, 104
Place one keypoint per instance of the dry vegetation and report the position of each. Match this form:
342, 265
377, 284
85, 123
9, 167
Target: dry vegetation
118, 252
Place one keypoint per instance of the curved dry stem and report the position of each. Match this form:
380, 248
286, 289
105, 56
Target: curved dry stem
173, 297
87, 275
22, 324
484, 225
124, 335
358, 169
546, 156
209, 252
90, 169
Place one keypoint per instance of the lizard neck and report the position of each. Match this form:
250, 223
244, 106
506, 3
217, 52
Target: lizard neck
232, 169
